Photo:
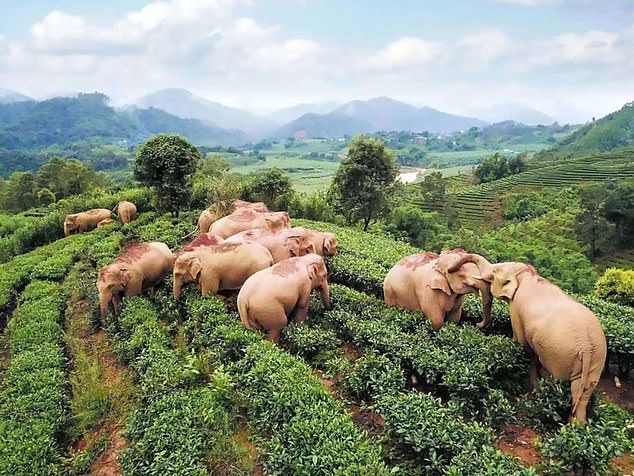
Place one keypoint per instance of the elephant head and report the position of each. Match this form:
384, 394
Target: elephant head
318, 275
187, 270
112, 281
299, 245
70, 225
330, 244
504, 278
457, 272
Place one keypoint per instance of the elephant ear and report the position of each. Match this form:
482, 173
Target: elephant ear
329, 245
125, 276
292, 243
313, 270
506, 282
439, 281
194, 267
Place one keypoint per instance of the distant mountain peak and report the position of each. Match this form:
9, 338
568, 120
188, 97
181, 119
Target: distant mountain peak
8, 96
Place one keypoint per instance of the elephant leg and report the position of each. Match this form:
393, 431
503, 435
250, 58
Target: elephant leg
301, 311
209, 285
116, 304
534, 371
583, 396
436, 316
455, 315
388, 295
274, 335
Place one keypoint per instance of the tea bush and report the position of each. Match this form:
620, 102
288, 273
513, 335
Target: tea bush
34, 397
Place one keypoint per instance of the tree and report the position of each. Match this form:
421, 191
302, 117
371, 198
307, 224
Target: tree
365, 180
272, 187
591, 226
167, 163
420, 228
20, 192
619, 209
434, 190
497, 166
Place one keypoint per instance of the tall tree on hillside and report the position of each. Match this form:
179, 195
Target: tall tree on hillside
365, 180
167, 163
434, 190
591, 227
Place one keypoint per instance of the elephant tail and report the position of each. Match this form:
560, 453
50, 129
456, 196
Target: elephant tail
243, 310
586, 358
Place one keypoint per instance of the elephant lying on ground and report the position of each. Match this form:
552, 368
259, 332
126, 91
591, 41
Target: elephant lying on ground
282, 245
214, 213
126, 211
246, 219
226, 266
433, 284
140, 267
563, 336
272, 296
106, 222
325, 243
85, 221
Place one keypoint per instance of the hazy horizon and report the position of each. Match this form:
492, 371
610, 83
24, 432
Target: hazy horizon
570, 59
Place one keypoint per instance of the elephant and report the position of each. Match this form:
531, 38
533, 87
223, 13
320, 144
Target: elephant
432, 284
85, 221
272, 296
247, 219
563, 337
126, 211
105, 222
325, 243
213, 213
222, 267
140, 267
281, 245
205, 240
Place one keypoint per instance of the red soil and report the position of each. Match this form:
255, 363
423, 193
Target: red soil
520, 442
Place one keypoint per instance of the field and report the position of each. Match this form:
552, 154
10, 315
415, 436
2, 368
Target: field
479, 202
183, 388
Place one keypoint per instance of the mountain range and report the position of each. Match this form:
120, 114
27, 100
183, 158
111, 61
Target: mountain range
227, 125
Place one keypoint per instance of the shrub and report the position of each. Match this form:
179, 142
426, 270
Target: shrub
309, 341
616, 285
374, 376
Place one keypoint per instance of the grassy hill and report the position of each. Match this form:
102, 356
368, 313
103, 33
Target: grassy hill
611, 132
479, 202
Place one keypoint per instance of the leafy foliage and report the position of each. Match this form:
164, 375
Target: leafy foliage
166, 164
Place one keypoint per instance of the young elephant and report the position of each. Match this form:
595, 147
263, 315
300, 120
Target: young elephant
215, 212
126, 211
563, 336
272, 296
325, 243
433, 284
226, 266
106, 222
140, 267
281, 245
246, 219
85, 221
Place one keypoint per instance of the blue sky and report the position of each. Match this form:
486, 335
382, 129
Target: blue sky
569, 58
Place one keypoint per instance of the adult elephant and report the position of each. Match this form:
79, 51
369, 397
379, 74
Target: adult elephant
272, 296
563, 337
85, 221
282, 245
246, 219
437, 286
140, 267
205, 240
226, 266
126, 211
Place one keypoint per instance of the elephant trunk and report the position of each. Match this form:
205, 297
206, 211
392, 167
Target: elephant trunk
483, 265
178, 287
104, 305
487, 303
325, 295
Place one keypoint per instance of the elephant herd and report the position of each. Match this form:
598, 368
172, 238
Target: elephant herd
274, 266
277, 267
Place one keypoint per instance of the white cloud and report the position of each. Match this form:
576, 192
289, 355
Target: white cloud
479, 50
592, 47
404, 53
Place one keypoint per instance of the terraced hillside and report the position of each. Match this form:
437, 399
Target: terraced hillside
478, 202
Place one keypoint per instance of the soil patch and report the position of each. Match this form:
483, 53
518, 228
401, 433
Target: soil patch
519, 441
5, 356
367, 420
107, 464
624, 396
350, 352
